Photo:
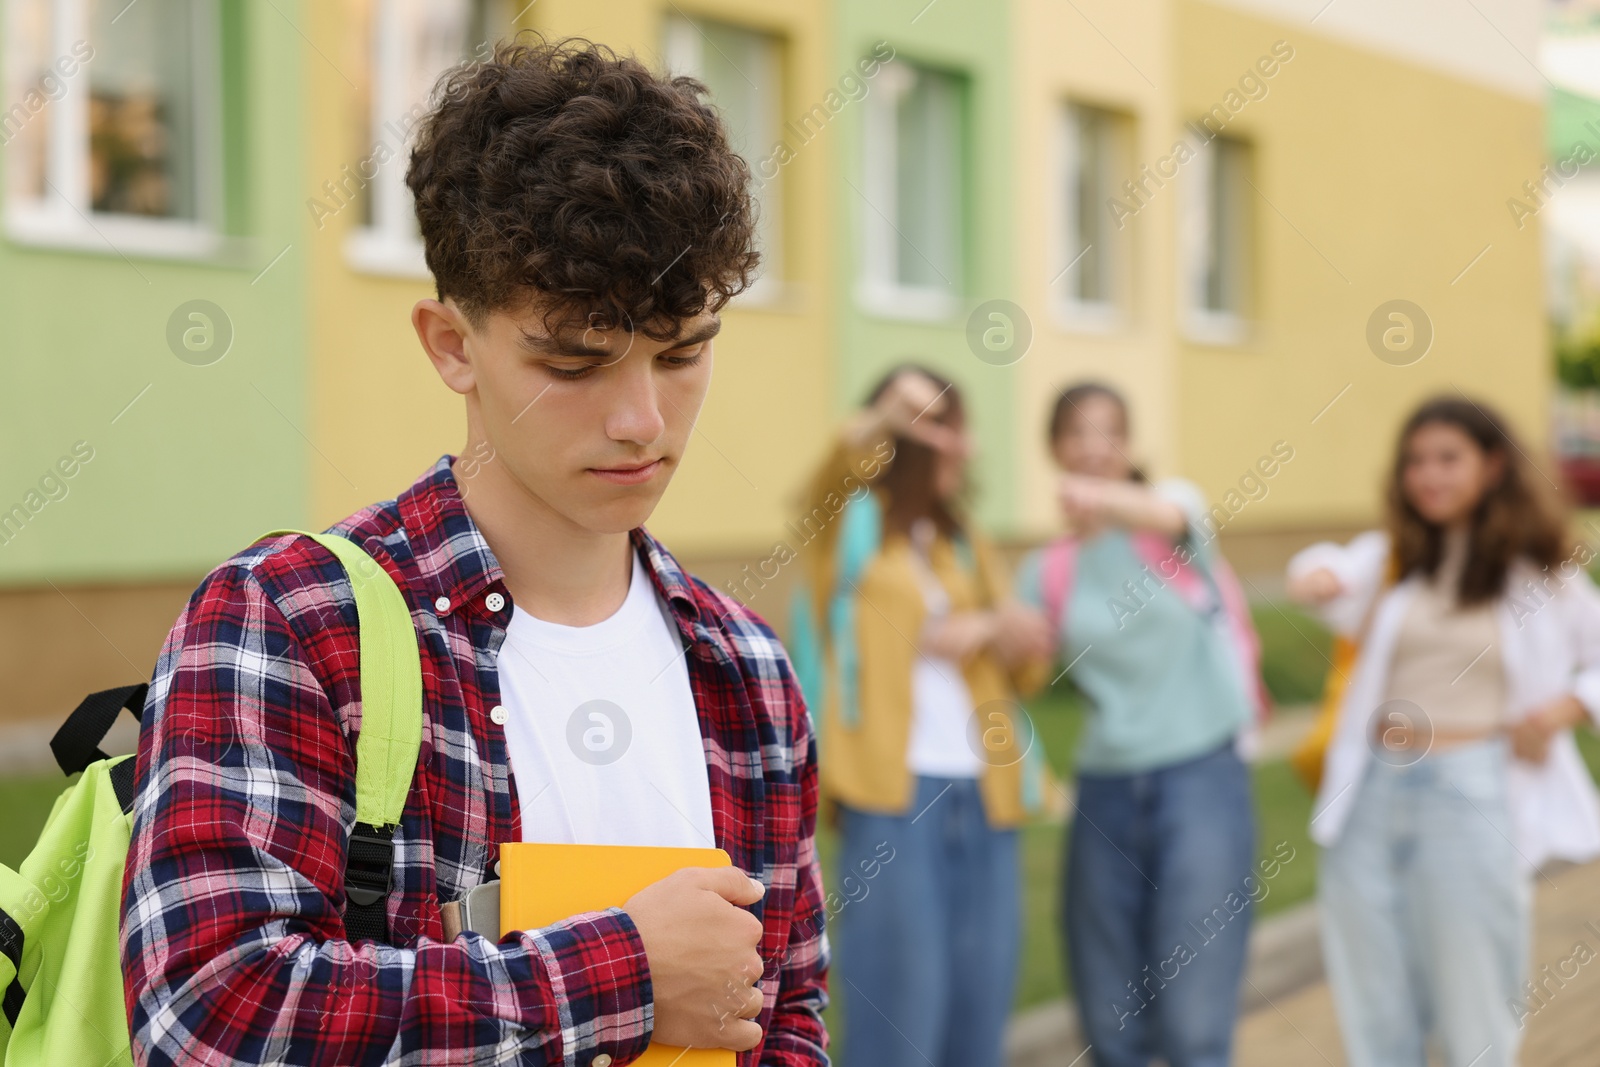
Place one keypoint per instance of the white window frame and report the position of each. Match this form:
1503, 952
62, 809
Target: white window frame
1202, 324
1072, 312
389, 245
879, 289
64, 217
683, 43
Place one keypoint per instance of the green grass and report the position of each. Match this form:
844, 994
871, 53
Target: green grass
26, 802
1283, 815
1295, 651
1589, 749
1041, 976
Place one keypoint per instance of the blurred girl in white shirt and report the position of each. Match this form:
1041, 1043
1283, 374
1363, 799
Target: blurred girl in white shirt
1452, 773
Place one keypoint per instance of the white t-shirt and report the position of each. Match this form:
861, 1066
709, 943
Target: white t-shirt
942, 730
601, 728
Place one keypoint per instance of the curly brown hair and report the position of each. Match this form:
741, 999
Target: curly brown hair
561, 176
1518, 517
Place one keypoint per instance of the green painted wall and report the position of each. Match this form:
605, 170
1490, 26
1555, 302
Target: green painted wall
207, 456
971, 40
1572, 129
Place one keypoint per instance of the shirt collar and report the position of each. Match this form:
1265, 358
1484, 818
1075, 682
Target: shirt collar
458, 565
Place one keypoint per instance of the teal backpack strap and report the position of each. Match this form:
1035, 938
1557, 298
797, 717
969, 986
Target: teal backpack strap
805, 647
391, 732
860, 538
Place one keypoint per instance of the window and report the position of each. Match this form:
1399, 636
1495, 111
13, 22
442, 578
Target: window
113, 135
1091, 257
413, 42
744, 71
1217, 237
910, 202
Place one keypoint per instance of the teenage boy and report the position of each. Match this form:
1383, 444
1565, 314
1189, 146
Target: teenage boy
584, 221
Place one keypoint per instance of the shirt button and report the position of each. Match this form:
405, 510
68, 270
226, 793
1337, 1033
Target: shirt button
442, 604
602, 1060
494, 601
497, 715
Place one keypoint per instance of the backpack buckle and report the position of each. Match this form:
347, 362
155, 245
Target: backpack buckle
369, 864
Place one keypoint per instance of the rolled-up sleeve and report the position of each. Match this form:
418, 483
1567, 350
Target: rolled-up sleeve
1199, 535
1359, 566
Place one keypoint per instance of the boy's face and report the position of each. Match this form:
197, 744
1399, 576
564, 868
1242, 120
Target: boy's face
591, 423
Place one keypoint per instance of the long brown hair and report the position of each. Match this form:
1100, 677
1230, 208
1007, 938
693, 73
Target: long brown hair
910, 482
1518, 517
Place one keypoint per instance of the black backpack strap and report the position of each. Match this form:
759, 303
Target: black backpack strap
11, 946
121, 777
369, 865
77, 743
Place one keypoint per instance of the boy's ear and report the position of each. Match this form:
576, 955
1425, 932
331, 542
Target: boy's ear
443, 331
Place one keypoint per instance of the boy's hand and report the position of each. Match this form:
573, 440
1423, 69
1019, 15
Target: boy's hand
702, 951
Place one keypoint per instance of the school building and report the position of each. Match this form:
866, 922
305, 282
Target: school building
1219, 207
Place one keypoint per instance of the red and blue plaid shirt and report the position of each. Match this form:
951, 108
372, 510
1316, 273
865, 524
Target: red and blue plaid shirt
233, 940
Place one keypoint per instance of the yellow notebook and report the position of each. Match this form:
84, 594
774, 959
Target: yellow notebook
543, 884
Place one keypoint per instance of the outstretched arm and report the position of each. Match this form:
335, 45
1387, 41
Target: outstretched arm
1340, 582
1092, 503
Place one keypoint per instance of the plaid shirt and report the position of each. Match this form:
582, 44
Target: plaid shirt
233, 941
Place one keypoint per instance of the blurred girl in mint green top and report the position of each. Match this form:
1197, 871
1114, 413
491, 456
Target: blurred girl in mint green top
1159, 680
1159, 877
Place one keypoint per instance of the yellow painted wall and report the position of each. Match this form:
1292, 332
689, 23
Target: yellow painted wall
1114, 54
380, 415
1379, 179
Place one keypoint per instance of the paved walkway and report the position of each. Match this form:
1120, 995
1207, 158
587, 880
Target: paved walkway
1299, 1028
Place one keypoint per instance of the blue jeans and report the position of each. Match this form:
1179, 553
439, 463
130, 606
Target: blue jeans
1159, 890
928, 943
1425, 913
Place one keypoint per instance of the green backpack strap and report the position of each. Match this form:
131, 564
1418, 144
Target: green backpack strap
391, 732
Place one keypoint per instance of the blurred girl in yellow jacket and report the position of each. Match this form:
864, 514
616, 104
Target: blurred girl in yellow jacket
912, 654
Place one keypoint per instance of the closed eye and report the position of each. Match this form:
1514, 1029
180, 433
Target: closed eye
678, 357
570, 374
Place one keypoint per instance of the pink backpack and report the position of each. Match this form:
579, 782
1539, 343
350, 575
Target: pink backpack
1061, 566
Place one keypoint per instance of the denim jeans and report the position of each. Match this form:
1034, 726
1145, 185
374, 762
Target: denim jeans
1425, 913
928, 945
1157, 910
